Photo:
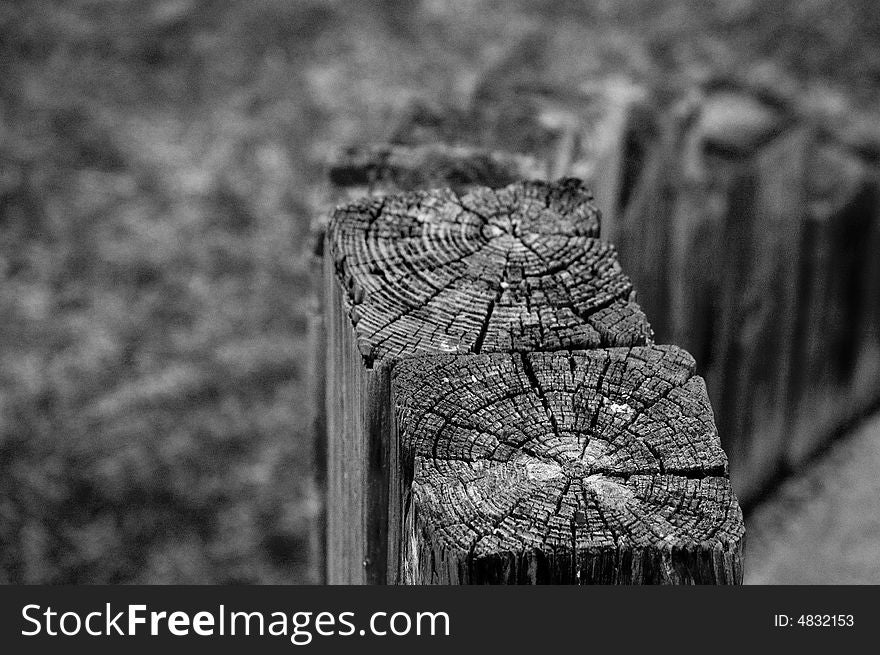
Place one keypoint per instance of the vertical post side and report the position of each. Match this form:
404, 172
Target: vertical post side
759, 308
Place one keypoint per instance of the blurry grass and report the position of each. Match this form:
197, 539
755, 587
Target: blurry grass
157, 161
153, 293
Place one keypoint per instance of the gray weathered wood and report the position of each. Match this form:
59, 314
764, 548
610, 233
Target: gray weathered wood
731, 227
868, 369
748, 236
758, 308
514, 269
375, 171
454, 297
317, 429
835, 368
598, 131
586, 467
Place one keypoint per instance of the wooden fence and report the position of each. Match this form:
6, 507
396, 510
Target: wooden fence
496, 408
747, 222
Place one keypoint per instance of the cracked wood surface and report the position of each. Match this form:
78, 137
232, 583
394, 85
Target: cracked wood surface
750, 235
385, 168
620, 435
356, 172
512, 269
601, 466
743, 249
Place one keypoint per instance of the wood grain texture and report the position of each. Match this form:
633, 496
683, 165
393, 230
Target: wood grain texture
750, 236
316, 419
758, 307
598, 130
835, 371
587, 467
359, 458
518, 268
379, 169
735, 238
367, 171
512, 269
674, 182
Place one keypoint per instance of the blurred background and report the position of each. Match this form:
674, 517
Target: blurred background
159, 168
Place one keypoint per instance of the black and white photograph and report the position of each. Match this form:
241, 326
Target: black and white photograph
439, 292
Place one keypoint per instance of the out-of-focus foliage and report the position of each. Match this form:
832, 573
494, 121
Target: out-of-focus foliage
151, 308
157, 159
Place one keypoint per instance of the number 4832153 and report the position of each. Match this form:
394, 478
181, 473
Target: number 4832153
825, 620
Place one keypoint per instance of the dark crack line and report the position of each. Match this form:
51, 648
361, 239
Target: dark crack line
599, 511
503, 437
375, 214
536, 385
591, 430
484, 328
427, 300
508, 513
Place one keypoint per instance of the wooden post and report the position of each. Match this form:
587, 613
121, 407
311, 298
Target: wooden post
595, 467
376, 170
835, 369
426, 279
749, 237
758, 308
735, 213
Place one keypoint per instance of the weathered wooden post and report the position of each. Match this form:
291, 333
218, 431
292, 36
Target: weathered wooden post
450, 464
747, 216
835, 371
590, 467
749, 233
376, 170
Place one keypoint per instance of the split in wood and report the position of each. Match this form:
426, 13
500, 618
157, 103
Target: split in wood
601, 466
611, 454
